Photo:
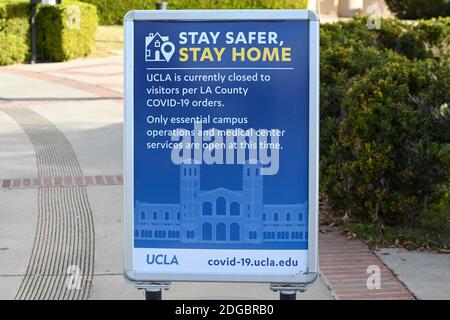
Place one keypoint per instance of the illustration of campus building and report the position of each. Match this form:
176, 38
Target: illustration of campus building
221, 215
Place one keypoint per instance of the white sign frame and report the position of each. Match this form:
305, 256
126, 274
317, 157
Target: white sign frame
223, 15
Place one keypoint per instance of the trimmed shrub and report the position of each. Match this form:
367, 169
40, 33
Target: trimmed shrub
385, 138
349, 49
419, 9
237, 4
388, 160
65, 31
112, 11
14, 31
415, 41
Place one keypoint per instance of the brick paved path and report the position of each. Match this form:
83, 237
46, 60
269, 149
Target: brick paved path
61, 181
344, 263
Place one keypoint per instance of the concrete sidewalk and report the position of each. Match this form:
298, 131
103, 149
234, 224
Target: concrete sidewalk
424, 273
61, 195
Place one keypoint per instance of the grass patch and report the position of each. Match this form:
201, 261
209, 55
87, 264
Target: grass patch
428, 233
108, 40
424, 238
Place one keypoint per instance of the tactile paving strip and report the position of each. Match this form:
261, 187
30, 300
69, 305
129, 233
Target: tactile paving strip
61, 264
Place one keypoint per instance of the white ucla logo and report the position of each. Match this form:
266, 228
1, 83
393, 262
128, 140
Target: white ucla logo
158, 48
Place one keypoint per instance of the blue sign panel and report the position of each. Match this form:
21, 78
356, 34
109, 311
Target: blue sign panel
220, 132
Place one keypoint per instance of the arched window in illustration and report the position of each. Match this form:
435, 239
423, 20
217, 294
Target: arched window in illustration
178, 216
234, 232
221, 206
136, 233
235, 209
143, 215
167, 216
288, 216
264, 216
155, 215
300, 216
150, 234
207, 232
275, 216
184, 171
221, 232
248, 172
207, 208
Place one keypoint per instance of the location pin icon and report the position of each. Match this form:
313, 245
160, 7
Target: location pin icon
167, 50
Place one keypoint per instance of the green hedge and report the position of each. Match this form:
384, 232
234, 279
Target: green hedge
112, 11
419, 9
14, 31
66, 31
385, 119
59, 36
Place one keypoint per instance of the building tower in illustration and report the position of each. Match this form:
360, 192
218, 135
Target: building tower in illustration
189, 203
253, 207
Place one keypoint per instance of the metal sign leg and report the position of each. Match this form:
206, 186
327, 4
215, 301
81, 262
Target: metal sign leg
153, 294
153, 290
288, 291
288, 295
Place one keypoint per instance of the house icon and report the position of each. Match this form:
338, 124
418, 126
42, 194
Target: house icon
158, 48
